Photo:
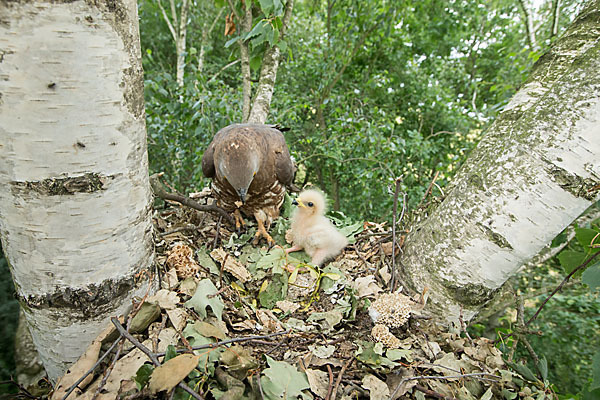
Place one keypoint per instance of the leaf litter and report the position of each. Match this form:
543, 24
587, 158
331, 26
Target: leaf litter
234, 321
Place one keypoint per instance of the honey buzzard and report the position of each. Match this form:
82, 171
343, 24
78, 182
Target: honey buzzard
251, 167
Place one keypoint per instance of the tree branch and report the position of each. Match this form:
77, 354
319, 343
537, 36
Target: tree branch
166, 18
159, 191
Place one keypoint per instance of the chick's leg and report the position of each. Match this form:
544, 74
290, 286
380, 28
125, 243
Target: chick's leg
261, 219
239, 221
319, 256
292, 249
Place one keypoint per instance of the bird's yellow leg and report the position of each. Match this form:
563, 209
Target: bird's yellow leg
239, 221
262, 232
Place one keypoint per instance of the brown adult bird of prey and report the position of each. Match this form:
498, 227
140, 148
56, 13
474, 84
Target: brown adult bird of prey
250, 166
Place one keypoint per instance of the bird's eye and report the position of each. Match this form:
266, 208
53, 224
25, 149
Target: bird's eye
310, 204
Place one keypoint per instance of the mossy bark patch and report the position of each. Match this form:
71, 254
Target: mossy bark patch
87, 183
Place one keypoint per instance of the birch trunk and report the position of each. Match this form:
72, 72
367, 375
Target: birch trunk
75, 199
268, 74
180, 42
534, 172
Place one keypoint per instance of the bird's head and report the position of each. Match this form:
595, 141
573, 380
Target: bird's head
311, 202
238, 165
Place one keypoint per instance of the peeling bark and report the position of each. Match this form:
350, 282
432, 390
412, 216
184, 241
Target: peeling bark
75, 200
531, 175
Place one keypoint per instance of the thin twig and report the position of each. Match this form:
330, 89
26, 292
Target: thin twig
583, 265
89, 371
558, 288
152, 356
330, 388
428, 191
339, 378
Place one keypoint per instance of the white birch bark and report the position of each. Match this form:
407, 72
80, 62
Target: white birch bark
75, 200
532, 174
268, 75
180, 42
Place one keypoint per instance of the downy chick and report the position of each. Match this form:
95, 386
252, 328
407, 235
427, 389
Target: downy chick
312, 231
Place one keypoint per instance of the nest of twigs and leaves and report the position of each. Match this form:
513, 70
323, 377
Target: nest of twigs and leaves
235, 321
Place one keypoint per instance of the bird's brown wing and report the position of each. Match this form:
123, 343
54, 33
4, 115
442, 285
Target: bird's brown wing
208, 162
284, 166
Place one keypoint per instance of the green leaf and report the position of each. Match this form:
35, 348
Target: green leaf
591, 276
371, 354
170, 353
595, 372
200, 300
209, 356
266, 6
524, 371
204, 259
255, 62
232, 41
508, 395
585, 236
398, 354
570, 259
543, 367
282, 45
275, 291
351, 230
142, 376
283, 381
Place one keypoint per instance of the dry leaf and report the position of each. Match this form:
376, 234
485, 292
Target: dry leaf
166, 299
378, 390
209, 330
231, 265
83, 364
229, 28
366, 286
168, 375
318, 381
287, 306
268, 320
178, 318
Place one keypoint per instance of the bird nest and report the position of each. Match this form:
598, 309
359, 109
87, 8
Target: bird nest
234, 321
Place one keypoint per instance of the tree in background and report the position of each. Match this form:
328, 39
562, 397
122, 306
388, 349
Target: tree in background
75, 202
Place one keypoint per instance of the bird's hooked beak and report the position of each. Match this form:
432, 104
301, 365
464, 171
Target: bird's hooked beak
298, 202
242, 193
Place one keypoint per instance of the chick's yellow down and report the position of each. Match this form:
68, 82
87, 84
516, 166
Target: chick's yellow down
312, 231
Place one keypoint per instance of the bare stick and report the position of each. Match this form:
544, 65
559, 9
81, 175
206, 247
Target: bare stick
428, 192
558, 288
150, 355
330, 388
186, 201
89, 371
339, 378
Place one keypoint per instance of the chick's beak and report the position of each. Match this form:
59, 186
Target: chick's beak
299, 203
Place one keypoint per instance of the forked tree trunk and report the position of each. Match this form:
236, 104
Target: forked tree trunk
534, 172
75, 201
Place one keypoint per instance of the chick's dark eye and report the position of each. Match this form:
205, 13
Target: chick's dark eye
310, 204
